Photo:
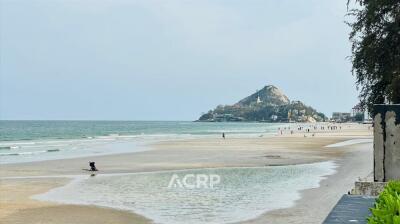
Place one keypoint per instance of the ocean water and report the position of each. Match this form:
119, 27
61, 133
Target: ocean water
351, 142
242, 194
27, 141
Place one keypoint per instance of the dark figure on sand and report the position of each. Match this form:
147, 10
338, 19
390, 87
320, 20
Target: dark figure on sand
92, 166
223, 135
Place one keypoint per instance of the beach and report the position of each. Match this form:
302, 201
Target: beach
19, 182
193, 112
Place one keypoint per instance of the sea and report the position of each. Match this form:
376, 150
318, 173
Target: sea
29, 141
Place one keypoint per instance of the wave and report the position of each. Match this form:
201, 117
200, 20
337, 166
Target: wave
15, 143
9, 147
350, 142
29, 153
9, 154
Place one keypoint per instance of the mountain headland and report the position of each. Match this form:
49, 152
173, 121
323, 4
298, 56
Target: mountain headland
269, 104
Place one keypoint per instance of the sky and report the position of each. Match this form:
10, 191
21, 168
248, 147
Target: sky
168, 59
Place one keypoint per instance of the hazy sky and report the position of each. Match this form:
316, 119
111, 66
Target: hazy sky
168, 59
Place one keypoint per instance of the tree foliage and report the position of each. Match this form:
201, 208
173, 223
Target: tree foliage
387, 206
375, 38
295, 111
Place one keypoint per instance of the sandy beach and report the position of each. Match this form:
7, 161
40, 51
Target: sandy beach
192, 112
353, 161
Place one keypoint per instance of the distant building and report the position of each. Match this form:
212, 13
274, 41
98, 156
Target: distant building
258, 100
359, 113
357, 109
225, 117
341, 116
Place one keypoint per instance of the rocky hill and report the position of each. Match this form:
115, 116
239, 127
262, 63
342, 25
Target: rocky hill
266, 105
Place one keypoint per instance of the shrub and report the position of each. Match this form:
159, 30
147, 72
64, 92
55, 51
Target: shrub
387, 206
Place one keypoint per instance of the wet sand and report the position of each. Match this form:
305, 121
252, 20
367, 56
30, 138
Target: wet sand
354, 161
17, 207
315, 204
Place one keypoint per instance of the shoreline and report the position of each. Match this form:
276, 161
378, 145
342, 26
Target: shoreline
313, 209
137, 143
23, 209
193, 154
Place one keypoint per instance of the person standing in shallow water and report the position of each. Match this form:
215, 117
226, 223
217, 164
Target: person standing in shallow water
223, 135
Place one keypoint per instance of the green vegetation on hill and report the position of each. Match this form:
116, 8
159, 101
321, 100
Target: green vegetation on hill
269, 105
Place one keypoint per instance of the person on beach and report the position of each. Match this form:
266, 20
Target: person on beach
223, 135
92, 166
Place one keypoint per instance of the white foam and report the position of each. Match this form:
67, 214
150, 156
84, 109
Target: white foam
350, 142
72, 148
22, 153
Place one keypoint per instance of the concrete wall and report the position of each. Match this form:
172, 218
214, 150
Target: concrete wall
368, 188
386, 142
